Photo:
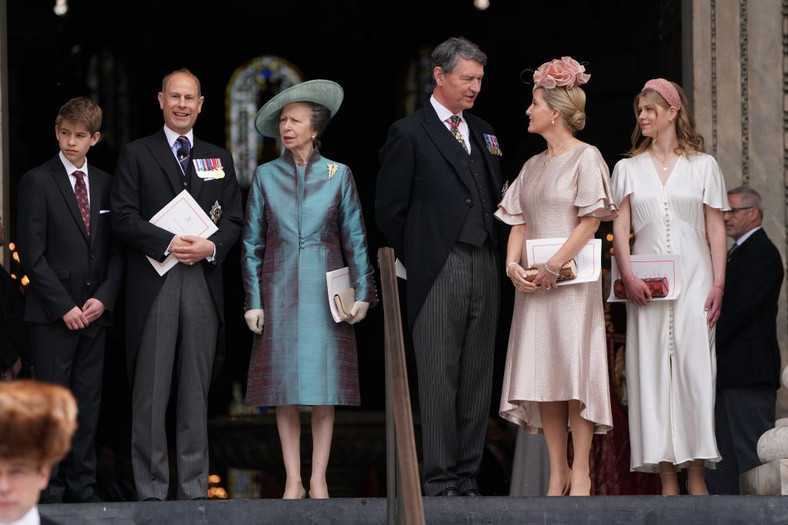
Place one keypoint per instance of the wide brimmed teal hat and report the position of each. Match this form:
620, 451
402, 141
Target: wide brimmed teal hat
324, 92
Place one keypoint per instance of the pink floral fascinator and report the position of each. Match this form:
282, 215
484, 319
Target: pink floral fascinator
566, 72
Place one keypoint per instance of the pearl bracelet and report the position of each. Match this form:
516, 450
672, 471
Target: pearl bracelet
549, 270
509, 266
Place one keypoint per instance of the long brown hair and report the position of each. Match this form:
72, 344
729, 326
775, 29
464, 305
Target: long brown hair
690, 141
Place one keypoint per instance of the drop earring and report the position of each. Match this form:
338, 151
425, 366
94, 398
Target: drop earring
552, 121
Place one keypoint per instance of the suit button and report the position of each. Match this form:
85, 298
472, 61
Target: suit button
468, 202
88, 283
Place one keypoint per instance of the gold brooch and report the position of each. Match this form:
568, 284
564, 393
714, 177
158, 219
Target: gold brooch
332, 168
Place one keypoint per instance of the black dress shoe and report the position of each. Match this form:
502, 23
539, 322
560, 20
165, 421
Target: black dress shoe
448, 492
152, 499
470, 492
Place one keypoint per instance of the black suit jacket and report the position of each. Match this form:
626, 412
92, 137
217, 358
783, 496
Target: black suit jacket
747, 350
64, 266
148, 177
424, 195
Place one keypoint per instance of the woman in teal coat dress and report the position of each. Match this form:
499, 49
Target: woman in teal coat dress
303, 219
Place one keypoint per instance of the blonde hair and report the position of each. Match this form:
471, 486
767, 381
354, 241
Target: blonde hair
37, 421
569, 102
690, 141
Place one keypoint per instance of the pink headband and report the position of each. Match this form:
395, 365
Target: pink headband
666, 89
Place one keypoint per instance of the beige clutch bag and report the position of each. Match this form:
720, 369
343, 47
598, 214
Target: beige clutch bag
344, 302
567, 272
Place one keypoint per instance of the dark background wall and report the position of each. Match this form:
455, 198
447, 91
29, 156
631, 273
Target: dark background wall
118, 52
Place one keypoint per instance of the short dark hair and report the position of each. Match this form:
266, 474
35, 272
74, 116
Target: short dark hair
81, 110
449, 52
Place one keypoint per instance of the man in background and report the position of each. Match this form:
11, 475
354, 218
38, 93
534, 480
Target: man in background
748, 356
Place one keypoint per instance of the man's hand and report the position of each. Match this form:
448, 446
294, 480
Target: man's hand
75, 319
93, 309
190, 249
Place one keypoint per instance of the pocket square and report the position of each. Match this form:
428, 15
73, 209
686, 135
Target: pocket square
102, 212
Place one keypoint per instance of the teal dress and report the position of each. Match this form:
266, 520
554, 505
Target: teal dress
299, 224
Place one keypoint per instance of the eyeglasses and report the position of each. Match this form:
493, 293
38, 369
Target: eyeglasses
734, 210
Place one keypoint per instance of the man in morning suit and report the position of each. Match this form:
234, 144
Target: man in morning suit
437, 190
748, 356
75, 271
174, 321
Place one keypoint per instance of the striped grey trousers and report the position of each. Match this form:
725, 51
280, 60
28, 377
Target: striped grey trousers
178, 344
453, 341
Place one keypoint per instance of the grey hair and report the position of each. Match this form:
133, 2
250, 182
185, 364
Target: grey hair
749, 195
319, 119
448, 53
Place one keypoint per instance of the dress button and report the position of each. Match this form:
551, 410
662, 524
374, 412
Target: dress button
468, 202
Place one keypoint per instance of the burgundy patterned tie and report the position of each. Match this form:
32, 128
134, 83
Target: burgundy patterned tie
81, 192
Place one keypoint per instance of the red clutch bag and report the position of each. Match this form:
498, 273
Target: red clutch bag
658, 286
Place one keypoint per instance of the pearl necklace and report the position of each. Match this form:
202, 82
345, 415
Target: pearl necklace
549, 156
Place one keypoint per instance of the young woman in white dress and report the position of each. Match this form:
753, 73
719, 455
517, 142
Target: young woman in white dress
671, 195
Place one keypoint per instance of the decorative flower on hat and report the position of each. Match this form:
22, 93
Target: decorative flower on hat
566, 72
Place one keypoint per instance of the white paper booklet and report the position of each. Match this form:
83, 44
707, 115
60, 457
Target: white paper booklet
181, 216
336, 281
650, 265
588, 259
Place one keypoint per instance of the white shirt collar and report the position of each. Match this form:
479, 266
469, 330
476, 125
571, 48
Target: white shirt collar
70, 168
747, 235
30, 518
172, 136
443, 112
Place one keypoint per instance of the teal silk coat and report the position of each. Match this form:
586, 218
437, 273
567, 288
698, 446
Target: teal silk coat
299, 224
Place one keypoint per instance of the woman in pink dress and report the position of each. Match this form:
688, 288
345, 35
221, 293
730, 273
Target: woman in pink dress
556, 364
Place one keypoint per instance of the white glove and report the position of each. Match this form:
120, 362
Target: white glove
358, 312
255, 319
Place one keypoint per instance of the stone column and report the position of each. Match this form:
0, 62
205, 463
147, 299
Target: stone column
734, 59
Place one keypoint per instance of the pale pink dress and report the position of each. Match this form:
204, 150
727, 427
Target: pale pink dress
557, 347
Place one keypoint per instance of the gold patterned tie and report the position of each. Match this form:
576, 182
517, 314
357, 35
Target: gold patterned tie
454, 122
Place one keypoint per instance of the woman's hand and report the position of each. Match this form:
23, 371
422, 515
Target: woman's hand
545, 279
517, 276
255, 318
637, 291
713, 305
358, 311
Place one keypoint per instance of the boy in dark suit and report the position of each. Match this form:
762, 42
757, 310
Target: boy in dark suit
75, 272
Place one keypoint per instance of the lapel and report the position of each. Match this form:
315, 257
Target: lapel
749, 244
478, 142
96, 191
445, 142
60, 177
195, 182
161, 152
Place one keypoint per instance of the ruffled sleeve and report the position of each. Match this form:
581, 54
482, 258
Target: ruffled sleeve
510, 209
714, 193
594, 197
622, 179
